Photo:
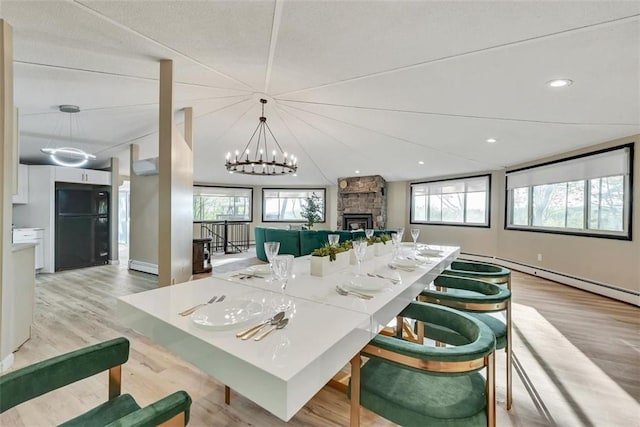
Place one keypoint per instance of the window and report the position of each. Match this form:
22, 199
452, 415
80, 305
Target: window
584, 195
222, 203
463, 201
284, 205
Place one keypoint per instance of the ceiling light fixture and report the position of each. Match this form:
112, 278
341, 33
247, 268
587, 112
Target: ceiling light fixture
421, 162
68, 156
557, 83
357, 171
491, 140
261, 163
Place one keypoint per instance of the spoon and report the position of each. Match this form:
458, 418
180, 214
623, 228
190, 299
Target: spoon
281, 324
255, 329
345, 292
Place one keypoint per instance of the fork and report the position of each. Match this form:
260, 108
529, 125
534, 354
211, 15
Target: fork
394, 267
195, 307
345, 292
380, 276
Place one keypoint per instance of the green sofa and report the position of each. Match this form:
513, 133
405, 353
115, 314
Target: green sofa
302, 242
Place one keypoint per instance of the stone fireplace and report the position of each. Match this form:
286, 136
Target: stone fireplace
362, 202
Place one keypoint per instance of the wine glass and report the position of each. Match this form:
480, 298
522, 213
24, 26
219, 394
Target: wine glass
360, 251
368, 232
282, 267
271, 250
415, 232
333, 239
396, 240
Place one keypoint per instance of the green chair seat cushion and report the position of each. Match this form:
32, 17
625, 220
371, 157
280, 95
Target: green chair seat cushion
498, 327
409, 398
106, 413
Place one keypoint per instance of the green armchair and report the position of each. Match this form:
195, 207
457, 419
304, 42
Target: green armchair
413, 384
24, 384
478, 298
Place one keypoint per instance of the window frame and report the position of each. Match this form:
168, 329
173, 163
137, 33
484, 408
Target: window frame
453, 224
627, 212
301, 221
231, 188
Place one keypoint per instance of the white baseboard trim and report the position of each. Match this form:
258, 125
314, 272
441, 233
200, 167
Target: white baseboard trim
145, 267
114, 262
6, 363
596, 287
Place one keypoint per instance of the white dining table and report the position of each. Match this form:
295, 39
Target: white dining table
282, 372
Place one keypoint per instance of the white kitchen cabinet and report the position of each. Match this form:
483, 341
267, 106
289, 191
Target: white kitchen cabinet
22, 196
32, 235
82, 176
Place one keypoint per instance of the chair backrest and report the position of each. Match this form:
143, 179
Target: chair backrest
35, 380
488, 272
467, 294
468, 356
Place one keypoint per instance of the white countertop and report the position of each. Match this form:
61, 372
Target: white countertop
285, 370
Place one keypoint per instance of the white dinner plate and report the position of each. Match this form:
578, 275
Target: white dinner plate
261, 269
429, 252
405, 263
365, 283
227, 314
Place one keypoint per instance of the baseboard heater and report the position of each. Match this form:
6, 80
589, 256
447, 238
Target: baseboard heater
605, 289
145, 267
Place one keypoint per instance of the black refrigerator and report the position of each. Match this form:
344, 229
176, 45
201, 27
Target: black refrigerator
82, 225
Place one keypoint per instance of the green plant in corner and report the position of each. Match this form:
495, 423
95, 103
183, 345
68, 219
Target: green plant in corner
311, 210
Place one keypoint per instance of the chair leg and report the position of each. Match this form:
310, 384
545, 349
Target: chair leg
491, 389
227, 395
177, 421
508, 350
115, 381
356, 361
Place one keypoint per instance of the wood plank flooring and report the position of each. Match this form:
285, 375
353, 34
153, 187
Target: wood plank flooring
555, 327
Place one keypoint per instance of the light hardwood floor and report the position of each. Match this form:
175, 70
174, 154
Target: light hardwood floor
578, 355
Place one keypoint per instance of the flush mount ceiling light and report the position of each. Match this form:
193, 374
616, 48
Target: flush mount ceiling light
491, 140
261, 163
557, 83
421, 162
68, 156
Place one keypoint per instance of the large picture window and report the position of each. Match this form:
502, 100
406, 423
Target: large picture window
463, 201
222, 203
584, 195
285, 205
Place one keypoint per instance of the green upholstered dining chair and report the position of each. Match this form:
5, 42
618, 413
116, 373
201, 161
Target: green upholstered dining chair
24, 384
481, 271
478, 298
414, 384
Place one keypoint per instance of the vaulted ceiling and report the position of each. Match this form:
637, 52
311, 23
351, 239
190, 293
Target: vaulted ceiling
370, 86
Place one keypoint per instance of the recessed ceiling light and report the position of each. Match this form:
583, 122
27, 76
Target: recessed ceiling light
421, 162
559, 83
295, 174
357, 171
491, 140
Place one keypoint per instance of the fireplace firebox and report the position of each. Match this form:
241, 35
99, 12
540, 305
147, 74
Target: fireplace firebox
357, 221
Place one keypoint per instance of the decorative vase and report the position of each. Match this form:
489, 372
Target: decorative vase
381, 249
322, 266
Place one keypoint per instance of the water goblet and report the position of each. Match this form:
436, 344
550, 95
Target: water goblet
360, 251
396, 240
368, 232
271, 250
415, 232
333, 239
282, 268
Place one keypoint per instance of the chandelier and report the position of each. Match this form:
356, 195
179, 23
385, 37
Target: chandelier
258, 161
68, 156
